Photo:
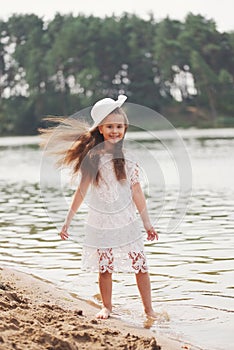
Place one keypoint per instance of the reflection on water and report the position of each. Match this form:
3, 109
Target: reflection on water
191, 268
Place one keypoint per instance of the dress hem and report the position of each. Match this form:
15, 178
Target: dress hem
115, 271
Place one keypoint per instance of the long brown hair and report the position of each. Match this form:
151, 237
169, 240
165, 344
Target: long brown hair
75, 145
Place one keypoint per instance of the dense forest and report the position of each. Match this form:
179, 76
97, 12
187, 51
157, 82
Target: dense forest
183, 70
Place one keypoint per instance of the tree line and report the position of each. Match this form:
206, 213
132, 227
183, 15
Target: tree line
182, 69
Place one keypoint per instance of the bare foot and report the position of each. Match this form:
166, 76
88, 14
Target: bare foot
152, 317
103, 314
159, 316
152, 314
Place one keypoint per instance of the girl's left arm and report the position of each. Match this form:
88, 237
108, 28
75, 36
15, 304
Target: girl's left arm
140, 202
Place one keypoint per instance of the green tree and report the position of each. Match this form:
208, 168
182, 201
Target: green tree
63, 65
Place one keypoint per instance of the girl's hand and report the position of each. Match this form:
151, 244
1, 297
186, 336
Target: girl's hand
64, 234
152, 234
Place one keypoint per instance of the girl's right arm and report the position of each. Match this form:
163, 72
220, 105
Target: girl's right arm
76, 202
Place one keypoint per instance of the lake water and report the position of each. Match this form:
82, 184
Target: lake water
191, 266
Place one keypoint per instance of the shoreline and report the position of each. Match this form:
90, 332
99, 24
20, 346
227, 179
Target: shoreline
36, 314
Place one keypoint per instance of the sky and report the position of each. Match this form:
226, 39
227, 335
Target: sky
220, 11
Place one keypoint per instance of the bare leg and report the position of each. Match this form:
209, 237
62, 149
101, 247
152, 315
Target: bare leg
143, 283
105, 286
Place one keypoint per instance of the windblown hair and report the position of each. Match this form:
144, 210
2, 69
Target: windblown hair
77, 146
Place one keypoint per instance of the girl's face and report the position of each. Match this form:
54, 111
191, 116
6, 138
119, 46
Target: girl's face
113, 128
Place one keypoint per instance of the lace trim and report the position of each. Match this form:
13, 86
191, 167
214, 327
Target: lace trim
106, 260
138, 261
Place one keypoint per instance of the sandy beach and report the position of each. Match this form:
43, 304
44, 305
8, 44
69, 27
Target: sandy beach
36, 315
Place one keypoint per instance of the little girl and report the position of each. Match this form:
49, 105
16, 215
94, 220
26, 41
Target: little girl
113, 238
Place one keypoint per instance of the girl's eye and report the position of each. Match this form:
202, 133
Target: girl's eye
120, 126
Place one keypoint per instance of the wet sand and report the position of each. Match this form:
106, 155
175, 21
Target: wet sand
35, 315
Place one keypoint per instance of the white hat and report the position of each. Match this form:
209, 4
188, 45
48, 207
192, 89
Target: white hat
103, 107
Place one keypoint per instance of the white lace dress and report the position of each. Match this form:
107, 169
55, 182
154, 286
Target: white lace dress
113, 238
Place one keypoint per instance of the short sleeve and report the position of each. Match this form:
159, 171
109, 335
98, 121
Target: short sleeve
135, 174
